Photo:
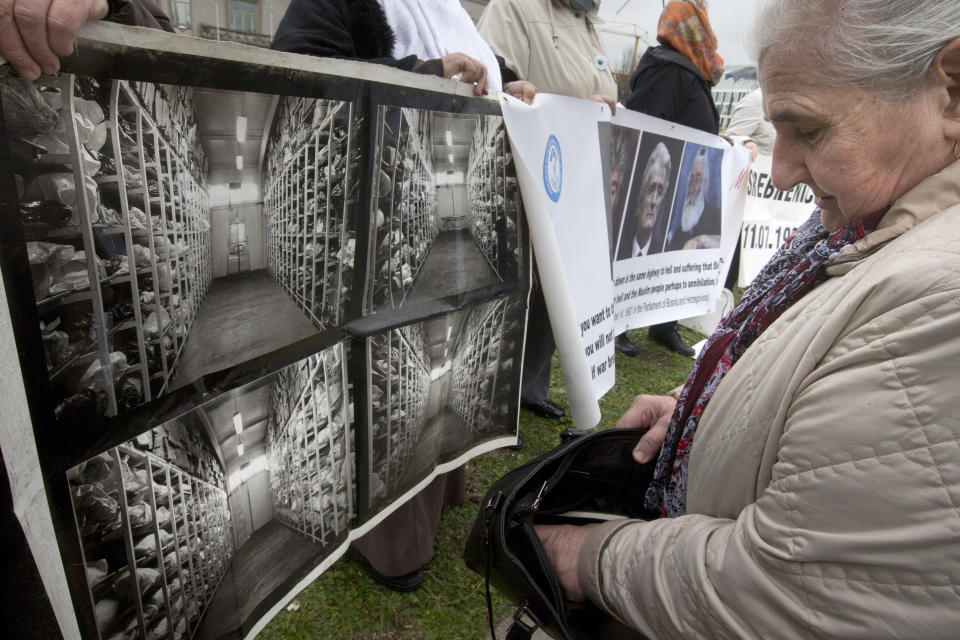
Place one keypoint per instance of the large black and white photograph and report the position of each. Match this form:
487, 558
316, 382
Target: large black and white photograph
187, 270
438, 388
650, 197
445, 207
175, 232
192, 529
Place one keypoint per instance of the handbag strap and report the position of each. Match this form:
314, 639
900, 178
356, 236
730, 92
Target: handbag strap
491, 507
493, 632
520, 629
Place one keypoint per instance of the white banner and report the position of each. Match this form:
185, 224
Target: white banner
769, 217
633, 220
555, 146
675, 218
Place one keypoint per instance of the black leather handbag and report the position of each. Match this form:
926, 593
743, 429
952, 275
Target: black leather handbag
588, 479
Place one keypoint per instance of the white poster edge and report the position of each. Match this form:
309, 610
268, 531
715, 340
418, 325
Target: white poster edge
30, 505
584, 404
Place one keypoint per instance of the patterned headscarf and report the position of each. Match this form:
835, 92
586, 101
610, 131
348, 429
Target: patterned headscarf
686, 27
795, 270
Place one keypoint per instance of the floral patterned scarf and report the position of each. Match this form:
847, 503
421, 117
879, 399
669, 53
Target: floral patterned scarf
686, 27
795, 270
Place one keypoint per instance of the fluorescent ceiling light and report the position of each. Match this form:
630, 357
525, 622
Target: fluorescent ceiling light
238, 423
449, 136
450, 158
240, 449
239, 163
241, 128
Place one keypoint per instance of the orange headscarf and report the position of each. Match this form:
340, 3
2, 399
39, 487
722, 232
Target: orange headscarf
686, 27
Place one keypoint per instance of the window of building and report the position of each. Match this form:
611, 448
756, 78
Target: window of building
180, 12
243, 16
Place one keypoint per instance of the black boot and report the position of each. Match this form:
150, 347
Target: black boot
666, 334
407, 582
545, 408
624, 345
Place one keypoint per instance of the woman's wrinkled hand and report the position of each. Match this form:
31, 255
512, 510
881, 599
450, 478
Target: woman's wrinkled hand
34, 33
470, 70
521, 90
562, 543
652, 413
611, 102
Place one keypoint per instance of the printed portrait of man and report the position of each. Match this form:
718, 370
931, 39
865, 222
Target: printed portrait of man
696, 219
618, 146
641, 234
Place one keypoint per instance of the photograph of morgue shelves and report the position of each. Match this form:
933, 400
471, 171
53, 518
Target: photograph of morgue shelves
257, 308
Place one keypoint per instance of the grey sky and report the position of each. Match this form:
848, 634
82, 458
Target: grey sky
731, 21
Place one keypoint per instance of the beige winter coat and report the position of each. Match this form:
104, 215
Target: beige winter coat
747, 123
824, 479
550, 46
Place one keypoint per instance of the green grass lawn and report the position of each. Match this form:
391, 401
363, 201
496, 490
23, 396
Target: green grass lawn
345, 604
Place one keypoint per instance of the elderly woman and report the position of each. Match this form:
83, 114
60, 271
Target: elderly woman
810, 473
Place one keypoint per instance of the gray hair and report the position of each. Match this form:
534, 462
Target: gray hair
885, 46
659, 158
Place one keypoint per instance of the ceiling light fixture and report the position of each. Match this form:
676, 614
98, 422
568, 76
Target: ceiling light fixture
449, 136
238, 423
241, 128
240, 450
239, 163
450, 158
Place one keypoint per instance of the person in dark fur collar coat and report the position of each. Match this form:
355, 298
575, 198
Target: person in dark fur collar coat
423, 36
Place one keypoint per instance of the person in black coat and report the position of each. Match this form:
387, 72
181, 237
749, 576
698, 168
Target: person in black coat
667, 85
673, 82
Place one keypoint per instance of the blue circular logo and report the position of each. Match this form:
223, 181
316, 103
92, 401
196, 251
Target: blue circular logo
553, 169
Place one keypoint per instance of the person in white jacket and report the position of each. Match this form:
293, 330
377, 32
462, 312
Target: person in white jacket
809, 473
749, 127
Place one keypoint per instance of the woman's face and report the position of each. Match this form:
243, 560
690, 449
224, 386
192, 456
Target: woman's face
858, 153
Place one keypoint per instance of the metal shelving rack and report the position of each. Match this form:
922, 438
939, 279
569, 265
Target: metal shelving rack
477, 362
399, 383
164, 536
310, 448
404, 205
177, 230
494, 195
310, 179
150, 178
